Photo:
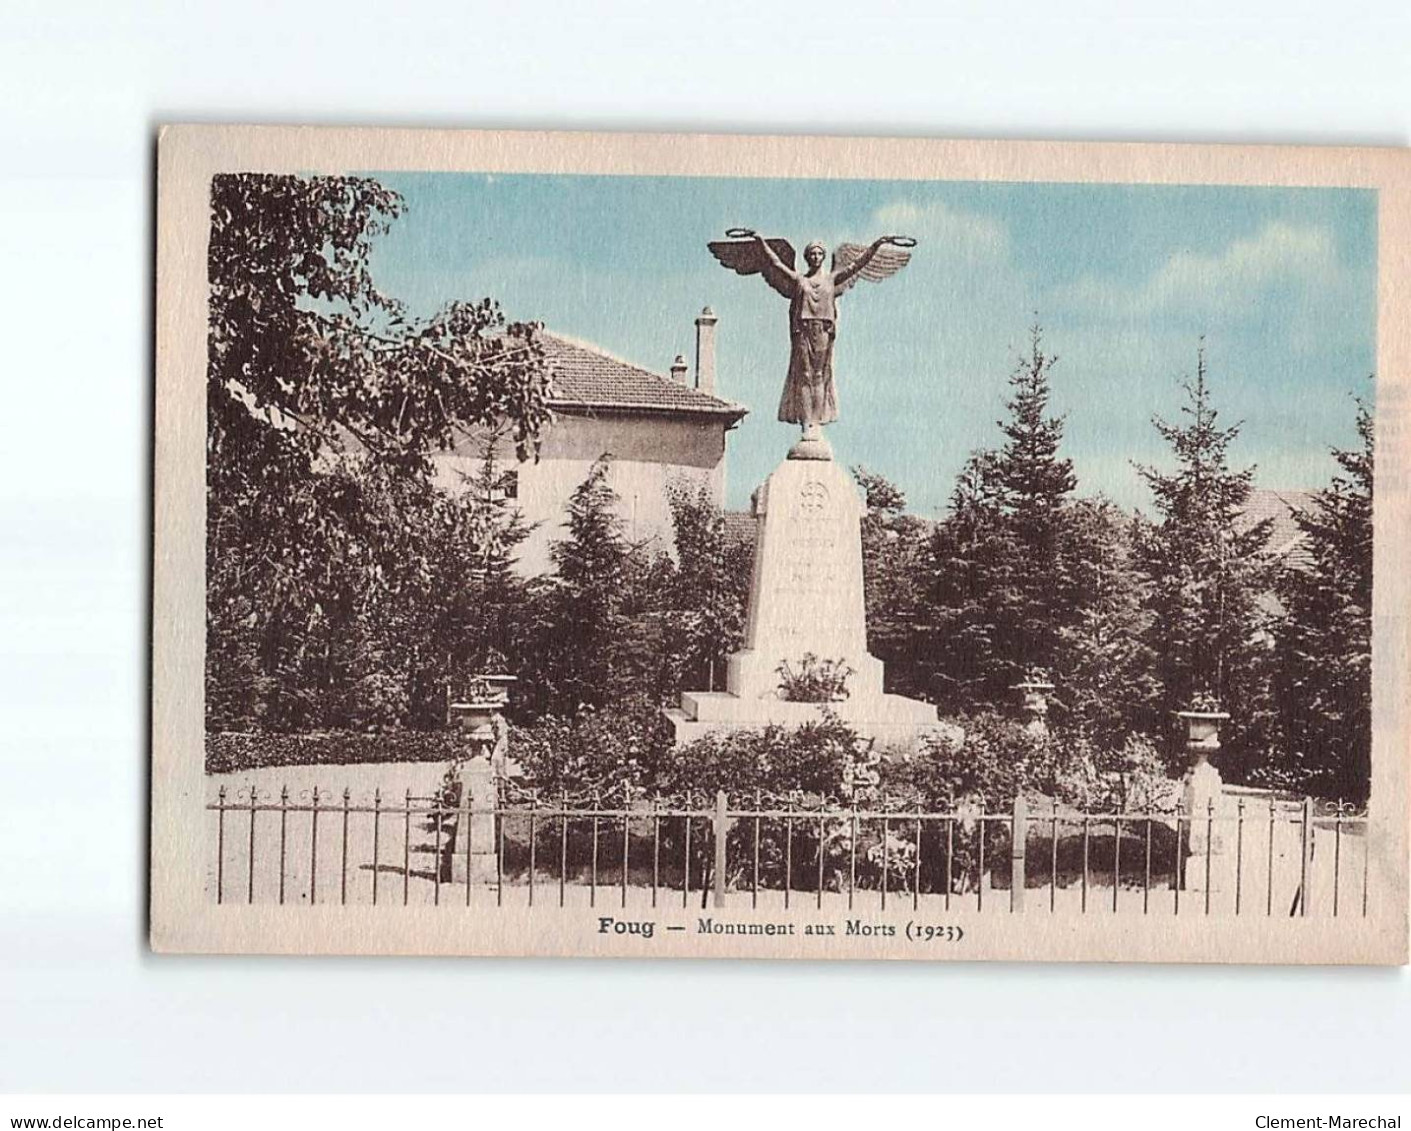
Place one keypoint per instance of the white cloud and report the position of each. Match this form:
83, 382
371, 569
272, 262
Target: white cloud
946, 231
1228, 285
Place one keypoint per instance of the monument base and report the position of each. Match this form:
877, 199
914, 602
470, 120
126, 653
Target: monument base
890, 720
806, 606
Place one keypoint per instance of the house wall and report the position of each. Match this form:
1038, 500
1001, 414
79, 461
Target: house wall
648, 453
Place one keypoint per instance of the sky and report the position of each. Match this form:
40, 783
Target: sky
1124, 279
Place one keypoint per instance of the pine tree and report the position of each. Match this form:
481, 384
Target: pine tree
1207, 573
592, 636
477, 597
998, 596
968, 555
1325, 634
704, 605
1104, 669
1034, 484
568, 654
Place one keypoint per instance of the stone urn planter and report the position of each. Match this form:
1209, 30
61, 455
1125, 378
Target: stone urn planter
1033, 692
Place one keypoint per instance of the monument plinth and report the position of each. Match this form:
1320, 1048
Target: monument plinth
806, 599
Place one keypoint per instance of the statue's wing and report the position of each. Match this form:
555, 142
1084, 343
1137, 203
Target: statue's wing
886, 263
745, 257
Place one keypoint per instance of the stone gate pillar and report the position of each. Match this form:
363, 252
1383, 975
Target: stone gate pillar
474, 858
1205, 836
475, 862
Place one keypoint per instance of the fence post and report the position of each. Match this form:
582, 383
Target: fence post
1019, 835
1305, 879
722, 830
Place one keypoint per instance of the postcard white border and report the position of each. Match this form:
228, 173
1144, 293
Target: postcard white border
184, 919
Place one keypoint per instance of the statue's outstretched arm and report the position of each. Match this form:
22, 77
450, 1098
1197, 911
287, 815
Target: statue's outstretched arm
774, 261
845, 276
881, 260
747, 253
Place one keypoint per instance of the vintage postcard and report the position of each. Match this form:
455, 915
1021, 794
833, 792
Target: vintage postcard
779, 547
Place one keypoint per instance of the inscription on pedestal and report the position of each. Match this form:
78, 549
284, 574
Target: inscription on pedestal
807, 590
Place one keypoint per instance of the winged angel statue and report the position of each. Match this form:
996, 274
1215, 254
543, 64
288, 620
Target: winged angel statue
810, 398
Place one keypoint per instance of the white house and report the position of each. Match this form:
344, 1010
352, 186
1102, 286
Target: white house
657, 428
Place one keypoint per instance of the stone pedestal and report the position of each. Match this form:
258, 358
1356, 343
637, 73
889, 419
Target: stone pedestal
1204, 795
478, 794
1205, 840
806, 596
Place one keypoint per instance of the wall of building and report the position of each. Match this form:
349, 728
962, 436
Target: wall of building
648, 452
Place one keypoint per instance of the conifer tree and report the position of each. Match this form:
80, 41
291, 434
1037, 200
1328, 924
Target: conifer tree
593, 635
1325, 635
969, 554
1034, 484
999, 598
480, 595
569, 650
1105, 684
1208, 571
704, 606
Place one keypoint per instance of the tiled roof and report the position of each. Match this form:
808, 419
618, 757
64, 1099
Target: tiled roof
1286, 539
585, 377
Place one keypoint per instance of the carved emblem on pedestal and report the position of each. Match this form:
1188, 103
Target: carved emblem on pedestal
813, 498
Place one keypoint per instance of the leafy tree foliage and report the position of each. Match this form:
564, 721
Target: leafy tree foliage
325, 404
893, 564
1325, 633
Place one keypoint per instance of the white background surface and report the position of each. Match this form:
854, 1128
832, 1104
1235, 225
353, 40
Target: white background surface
82, 1005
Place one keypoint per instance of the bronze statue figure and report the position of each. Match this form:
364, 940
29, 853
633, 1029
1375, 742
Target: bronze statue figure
810, 398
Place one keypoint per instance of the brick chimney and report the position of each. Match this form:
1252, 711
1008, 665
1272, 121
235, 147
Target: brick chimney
705, 351
678, 370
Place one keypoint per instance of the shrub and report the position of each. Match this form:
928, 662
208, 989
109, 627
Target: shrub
1126, 778
596, 751
986, 755
990, 760
813, 758
815, 681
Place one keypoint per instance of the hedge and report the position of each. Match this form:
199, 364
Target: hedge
228, 751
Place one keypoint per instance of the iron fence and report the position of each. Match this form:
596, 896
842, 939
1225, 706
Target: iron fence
1251, 855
